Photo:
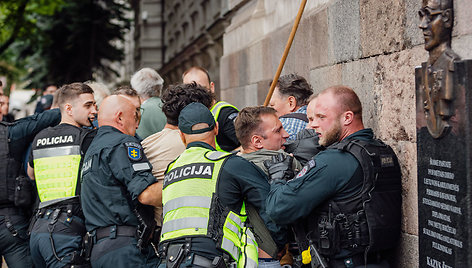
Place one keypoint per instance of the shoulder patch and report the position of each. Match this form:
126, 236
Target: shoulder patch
133, 144
134, 153
216, 155
232, 116
309, 165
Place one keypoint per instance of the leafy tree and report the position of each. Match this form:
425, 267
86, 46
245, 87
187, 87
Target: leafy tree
18, 19
70, 41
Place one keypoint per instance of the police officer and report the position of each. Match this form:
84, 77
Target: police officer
116, 180
203, 196
223, 112
345, 203
14, 141
54, 164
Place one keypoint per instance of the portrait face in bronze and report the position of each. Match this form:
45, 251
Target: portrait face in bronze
436, 23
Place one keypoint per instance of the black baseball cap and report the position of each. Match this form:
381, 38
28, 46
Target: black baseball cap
195, 113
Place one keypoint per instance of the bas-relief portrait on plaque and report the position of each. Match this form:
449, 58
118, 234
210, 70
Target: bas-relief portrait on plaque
436, 21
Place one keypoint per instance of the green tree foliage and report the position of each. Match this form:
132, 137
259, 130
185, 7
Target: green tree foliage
18, 19
71, 40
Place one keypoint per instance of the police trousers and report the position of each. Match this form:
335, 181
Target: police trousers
122, 252
14, 245
56, 244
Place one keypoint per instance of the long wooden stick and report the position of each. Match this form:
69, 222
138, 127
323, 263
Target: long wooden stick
287, 49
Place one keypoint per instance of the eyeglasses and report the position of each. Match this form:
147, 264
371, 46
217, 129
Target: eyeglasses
138, 114
429, 14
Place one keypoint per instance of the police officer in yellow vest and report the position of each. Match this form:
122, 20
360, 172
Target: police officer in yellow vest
204, 197
223, 112
55, 161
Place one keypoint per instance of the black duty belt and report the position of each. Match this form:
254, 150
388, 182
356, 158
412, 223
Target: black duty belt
46, 219
9, 211
201, 261
115, 230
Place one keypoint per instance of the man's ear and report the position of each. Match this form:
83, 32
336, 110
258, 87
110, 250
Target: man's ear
256, 141
292, 102
348, 117
216, 129
447, 18
182, 137
212, 87
118, 118
68, 109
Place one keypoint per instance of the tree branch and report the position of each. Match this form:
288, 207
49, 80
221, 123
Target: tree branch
19, 22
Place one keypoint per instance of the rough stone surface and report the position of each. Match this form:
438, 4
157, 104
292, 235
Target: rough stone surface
461, 45
462, 17
381, 24
413, 35
324, 77
395, 82
343, 31
359, 75
406, 152
407, 255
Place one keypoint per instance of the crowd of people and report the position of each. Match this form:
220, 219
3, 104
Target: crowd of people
154, 177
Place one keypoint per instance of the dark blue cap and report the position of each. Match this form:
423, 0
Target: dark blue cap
195, 113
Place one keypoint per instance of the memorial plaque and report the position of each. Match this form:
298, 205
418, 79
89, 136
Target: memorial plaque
444, 143
444, 176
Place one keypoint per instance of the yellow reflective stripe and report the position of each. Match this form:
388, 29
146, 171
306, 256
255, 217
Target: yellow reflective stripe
56, 151
184, 223
230, 247
187, 201
233, 229
235, 218
250, 263
56, 177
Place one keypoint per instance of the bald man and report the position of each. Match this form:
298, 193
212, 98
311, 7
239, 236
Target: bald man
346, 201
223, 112
118, 188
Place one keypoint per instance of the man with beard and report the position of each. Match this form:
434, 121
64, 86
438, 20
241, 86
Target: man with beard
345, 203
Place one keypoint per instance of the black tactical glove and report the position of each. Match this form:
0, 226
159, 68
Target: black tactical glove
280, 167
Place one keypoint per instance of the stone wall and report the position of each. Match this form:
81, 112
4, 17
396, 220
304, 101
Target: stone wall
372, 46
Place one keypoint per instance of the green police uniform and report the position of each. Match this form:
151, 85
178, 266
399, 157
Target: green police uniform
115, 172
56, 157
14, 141
328, 201
192, 211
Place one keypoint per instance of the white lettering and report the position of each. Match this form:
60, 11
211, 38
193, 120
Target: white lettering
440, 184
440, 163
54, 140
441, 174
441, 216
444, 238
199, 171
207, 171
449, 197
433, 263
442, 227
187, 171
443, 206
442, 248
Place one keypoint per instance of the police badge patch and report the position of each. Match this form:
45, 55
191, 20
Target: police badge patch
309, 165
134, 153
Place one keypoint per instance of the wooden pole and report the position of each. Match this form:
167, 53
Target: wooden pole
287, 49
